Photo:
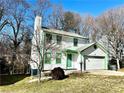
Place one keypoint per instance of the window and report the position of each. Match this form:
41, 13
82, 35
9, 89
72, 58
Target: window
59, 39
75, 41
48, 38
58, 58
47, 58
95, 46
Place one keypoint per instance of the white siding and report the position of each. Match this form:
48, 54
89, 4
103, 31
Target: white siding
67, 42
97, 52
53, 63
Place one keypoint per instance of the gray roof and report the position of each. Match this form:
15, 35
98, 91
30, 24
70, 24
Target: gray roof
80, 48
61, 32
84, 47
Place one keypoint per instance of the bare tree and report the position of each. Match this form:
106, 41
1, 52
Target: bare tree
40, 48
89, 27
72, 22
86, 25
111, 25
3, 13
57, 17
16, 28
77, 19
40, 7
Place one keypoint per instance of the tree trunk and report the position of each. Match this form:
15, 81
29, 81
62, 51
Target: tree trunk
40, 74
118, 64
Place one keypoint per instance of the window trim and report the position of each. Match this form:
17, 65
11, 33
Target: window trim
50, 57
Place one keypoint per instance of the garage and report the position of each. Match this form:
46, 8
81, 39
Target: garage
94, 57
94, 62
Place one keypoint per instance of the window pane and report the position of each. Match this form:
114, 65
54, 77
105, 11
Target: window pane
59, 39
75, 42
58, 58
47, 58
48, 38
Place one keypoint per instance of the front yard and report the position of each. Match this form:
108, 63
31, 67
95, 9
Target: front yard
76, 83
121, 70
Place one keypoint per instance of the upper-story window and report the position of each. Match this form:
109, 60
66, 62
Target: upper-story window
75, 42
48, 38
59, 39
86, 41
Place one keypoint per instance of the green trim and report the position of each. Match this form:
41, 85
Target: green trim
106, 61
58, 58
47, 58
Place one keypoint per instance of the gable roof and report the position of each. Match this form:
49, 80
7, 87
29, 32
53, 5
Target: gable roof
84, 47
96, 43
61, 32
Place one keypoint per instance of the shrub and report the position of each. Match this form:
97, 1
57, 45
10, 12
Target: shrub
57, 73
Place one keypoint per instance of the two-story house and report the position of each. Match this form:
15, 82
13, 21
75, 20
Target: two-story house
66, 50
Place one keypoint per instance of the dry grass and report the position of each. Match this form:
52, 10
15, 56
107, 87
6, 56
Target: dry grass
76, 83
122, 70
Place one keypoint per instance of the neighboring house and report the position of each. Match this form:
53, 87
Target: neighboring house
73, 51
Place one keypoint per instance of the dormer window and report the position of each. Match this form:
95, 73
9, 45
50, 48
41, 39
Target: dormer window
48, 38
59, 39
75, 42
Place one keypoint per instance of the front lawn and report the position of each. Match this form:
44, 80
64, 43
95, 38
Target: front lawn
76, 83
122, 70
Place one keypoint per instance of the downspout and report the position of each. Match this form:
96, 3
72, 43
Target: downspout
43, 55
81, 63
84, 64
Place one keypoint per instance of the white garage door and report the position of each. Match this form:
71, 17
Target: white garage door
95, 63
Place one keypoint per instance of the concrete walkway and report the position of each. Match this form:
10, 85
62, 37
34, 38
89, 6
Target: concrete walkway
34, 79
67, 72
106, 72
